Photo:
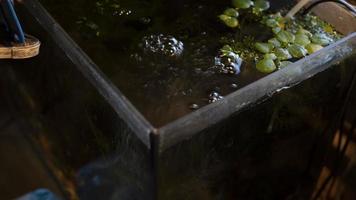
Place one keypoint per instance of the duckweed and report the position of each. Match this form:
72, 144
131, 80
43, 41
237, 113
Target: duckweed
292, 38
243, 4
231, 12
312, 48
321, 39
282, 54
276, 30
226, 50
304, 32
272, 23
229, 21
275, 42
263, 47
285, 37
297, 51
271, 56
302, 39
266, 65
261, 5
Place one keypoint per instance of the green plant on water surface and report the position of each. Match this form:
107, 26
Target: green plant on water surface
292, 39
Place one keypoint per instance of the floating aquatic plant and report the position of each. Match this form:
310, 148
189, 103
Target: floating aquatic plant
230, 15
292, 39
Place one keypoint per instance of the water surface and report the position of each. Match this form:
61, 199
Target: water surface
159, 53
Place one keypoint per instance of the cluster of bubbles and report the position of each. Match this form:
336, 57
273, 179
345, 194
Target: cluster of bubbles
162, 45
122, 12
228, 63
214, 97
111, 7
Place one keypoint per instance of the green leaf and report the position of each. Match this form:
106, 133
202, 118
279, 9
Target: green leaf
297, 51
264, 47
282, 54
276, 30
321, 39
272, 23
266, 66
277, 16
262, 5
226, 50
271, 56
305, 32
243, 4
231, 12
224, 17
274, 42
285, 37
301, 39
312, 48
229, 21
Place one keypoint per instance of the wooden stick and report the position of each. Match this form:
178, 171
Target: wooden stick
297, 8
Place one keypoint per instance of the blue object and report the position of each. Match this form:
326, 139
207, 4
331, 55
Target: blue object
40, 194
11, 21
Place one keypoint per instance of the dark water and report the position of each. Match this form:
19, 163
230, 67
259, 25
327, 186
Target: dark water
122, 37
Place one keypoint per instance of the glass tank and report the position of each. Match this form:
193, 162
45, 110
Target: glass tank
114, 116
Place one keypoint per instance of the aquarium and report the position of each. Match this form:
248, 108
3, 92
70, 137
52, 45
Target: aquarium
171, 58
116, 116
